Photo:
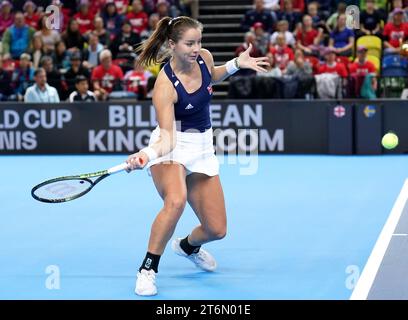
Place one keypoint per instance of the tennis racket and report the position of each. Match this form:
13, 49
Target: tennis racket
68, 188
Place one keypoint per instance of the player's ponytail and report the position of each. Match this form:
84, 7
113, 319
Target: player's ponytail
151, 52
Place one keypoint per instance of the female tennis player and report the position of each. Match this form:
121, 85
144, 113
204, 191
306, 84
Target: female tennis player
180, 154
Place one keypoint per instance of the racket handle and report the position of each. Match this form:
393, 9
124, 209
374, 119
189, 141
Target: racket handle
118, 168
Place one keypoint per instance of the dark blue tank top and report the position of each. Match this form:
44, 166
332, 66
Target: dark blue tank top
192, 110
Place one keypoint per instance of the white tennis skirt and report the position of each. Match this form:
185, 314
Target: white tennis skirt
194, 150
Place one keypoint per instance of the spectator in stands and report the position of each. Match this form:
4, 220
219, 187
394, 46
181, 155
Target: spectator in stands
5, 83
136, 80
301, 71
308, 38
259, 14
342, 38
397, 4
272, 70
370, 21
331, 65
297, 5
324, 8
84, 18
138, 18
41, 4
6, 16
106, 77
72, 5
60, 56
41, 92
72, 37
317, 20
22, 77
82, 94
189, 8
282, 53
288, 14
76, 69
299, 67
101, 32
49, 36
37, 51
282, 27
271, 5
91, 54
379, 5
31, 17
125, 42
163, 8
262, 38
395, 32
112, 19
54, 77
359, 69
17, 38
331, 79
121, 6
153, 21
250, 39
361, 65
332, 20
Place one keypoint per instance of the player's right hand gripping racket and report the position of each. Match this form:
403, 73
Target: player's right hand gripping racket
68, 188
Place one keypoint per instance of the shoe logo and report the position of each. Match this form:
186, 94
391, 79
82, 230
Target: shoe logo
148, 263
189, 106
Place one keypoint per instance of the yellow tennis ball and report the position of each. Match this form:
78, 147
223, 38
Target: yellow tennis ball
389, 141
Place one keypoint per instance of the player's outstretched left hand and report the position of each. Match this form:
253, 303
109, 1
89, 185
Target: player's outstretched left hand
245, 61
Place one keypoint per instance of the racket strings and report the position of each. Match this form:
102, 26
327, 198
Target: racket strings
62, 190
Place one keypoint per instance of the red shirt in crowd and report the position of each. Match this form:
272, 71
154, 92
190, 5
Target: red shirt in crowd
135, 79
393, 33
282, 56
85, 22
306, 38
298, 5
139, 21
121, 5
32, 20
362, 68
107, 78
337, 67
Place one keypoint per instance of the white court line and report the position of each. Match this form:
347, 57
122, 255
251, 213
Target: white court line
400, 234
374, 261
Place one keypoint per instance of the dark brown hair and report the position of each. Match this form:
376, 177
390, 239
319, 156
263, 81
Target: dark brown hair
167, 28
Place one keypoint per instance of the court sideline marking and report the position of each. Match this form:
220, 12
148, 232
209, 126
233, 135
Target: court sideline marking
374, 261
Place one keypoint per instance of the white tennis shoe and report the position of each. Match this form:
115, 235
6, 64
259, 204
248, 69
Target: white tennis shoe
146, 283
202, 259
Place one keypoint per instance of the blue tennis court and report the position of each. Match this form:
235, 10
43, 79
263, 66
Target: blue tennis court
301, 227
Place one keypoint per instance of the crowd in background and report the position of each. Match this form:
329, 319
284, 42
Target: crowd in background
44, 60
91, 54
320, 39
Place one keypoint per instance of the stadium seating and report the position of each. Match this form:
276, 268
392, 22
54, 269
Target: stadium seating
372, 43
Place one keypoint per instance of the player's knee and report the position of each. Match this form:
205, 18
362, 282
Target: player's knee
175, 203
217, 233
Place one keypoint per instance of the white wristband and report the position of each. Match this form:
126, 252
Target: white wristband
232, 66
151, 153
